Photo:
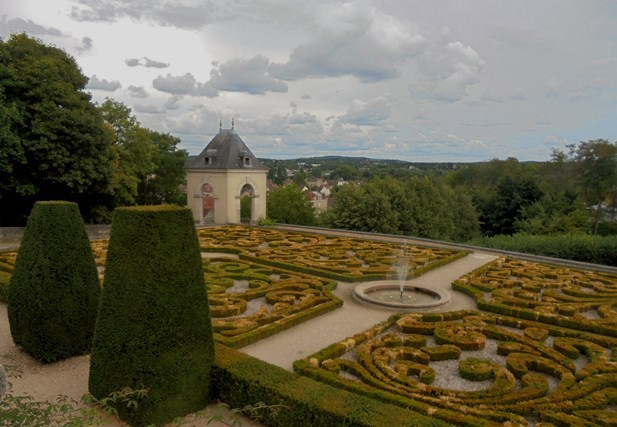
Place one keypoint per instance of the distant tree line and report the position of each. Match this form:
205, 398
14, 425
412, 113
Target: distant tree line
573, 193
56, 144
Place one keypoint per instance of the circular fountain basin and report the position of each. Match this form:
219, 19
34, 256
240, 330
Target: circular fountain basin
387, 293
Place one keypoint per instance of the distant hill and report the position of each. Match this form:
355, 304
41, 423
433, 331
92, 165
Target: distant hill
332, 162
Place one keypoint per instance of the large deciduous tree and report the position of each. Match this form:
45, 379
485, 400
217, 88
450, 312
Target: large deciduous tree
52, 141
415, 206
289, 205
149, 167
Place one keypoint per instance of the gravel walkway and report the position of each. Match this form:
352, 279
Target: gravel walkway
309, 337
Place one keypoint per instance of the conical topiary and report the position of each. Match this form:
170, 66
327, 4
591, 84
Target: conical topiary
54, 288
154, 329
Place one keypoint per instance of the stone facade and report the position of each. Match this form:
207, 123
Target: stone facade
219, 178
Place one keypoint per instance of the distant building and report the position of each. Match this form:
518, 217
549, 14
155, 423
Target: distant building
223, 174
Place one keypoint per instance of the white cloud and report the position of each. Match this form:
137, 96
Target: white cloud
447, 72
237, 75
351, 39
302, 118
101, 84
371, 113
494, 84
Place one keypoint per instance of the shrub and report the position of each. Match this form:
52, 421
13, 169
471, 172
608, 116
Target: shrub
5, 278
154, 329
54, 289
576, 247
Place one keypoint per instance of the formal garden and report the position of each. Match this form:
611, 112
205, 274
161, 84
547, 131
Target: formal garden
540, 349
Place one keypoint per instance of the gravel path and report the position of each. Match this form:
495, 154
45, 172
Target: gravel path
309, 337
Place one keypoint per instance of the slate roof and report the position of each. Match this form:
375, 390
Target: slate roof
226, 151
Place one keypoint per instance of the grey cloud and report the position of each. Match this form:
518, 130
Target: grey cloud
149, 63
178, 85
501, 97
101, 84
353, 41
170, 104
302, 118
371, 113
306, 96
173, 14
243, 75
137, 92
132, 62
17, 25
86, 44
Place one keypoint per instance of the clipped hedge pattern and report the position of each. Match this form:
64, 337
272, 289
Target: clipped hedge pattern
527, 378
153, 330
249, 301
338, 258
54, 290
576, 299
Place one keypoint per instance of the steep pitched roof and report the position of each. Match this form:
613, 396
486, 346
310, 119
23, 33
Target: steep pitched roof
226, 151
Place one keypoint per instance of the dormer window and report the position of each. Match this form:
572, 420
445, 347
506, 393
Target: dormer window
208, 160
247, 161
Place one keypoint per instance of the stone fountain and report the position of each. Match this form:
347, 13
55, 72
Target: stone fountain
399, 293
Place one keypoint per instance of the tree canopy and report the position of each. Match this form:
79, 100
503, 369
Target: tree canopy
56, 144
414, 206
288, 205
53, 142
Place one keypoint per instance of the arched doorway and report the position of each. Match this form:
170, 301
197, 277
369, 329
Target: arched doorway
207, 201
247, 194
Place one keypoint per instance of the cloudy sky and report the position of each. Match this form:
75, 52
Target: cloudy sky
417, 80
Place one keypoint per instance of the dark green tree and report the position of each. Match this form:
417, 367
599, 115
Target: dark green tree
164, 184
54, 288
52, 141
277, 172
595, 167
154, 329
415, 206
149, 167
289, 205
501, 210
558, 212
361, 208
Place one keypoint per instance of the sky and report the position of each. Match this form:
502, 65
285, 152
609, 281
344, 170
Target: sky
415, 80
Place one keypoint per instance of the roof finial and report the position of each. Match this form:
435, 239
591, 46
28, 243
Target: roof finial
220, 125
232, 123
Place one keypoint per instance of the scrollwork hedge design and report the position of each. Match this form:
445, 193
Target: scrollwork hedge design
524, 375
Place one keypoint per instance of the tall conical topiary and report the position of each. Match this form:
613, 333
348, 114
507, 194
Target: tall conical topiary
154, 329
54, 288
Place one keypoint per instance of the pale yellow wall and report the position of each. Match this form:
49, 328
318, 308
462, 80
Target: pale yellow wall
227, 186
